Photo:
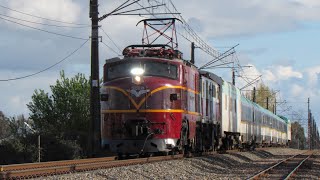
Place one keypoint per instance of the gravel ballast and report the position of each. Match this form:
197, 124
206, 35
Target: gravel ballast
232, 165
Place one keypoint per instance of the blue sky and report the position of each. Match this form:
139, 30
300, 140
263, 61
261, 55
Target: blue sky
280, 39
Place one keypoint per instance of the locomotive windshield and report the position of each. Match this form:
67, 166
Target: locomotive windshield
161, 69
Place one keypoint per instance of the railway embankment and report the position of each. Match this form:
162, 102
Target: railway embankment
231, 165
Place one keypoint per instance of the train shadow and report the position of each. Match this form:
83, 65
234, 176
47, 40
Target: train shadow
223, 164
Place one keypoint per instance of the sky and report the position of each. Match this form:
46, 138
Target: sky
279, 39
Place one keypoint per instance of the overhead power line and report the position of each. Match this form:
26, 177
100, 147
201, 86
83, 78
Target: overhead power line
53, 20
50, 32
45, 24
104, 32
65, 58
111, 48
190, 35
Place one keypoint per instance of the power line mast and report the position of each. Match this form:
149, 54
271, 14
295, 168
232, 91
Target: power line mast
309, 124
233, 77
94, 80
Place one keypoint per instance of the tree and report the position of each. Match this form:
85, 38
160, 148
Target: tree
262, 92
298, 138
4, 126
63, 116
19, 146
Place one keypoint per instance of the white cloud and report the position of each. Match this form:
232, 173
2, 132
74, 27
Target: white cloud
296, 90
279, 73
269, 76
286, 72
241, 17
313, 75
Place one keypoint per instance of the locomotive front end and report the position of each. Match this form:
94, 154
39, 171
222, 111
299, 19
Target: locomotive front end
141, 105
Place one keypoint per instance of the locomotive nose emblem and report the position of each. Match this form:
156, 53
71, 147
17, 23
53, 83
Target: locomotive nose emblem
137, 91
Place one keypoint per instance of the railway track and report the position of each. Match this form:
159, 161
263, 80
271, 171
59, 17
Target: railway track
33, 170
284, 169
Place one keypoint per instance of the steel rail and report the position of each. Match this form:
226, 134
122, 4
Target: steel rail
14, 167
263, 172
63, 168
296, 168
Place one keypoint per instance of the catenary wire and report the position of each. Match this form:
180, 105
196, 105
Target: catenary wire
65, 58
111, 48
45, 24
50, 32
111, 39
5, 7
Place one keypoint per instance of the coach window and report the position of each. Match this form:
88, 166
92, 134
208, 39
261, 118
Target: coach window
226, 102
208, 90
273, 123
214, 91
202, 89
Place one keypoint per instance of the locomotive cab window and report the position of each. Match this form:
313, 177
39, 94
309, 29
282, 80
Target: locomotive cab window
151, 68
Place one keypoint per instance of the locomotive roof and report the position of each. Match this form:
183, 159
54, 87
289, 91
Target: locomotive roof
117, 59
212, 76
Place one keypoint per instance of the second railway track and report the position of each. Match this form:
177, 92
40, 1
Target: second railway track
284, 169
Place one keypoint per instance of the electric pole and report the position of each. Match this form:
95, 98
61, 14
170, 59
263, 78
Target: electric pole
94, 81
192, 52
233, 77
275, 106
254, 94
309, 124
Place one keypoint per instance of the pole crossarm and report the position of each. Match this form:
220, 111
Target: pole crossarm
116, 12
218, 65
250, 83
220, 57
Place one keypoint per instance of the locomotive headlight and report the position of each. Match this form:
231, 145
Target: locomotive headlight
137, 71
137, 78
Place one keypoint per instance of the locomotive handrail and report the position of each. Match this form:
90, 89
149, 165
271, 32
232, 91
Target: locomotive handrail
158, 19
150, 50
149, 46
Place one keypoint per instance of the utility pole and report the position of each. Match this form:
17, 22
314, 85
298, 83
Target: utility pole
233, 77
267, 103
275, 106
39, 143
309, 124
254, 94
192, 52
94, 81
313, 132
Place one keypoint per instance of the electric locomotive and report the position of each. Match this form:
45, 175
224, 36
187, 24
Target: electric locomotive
149, 101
